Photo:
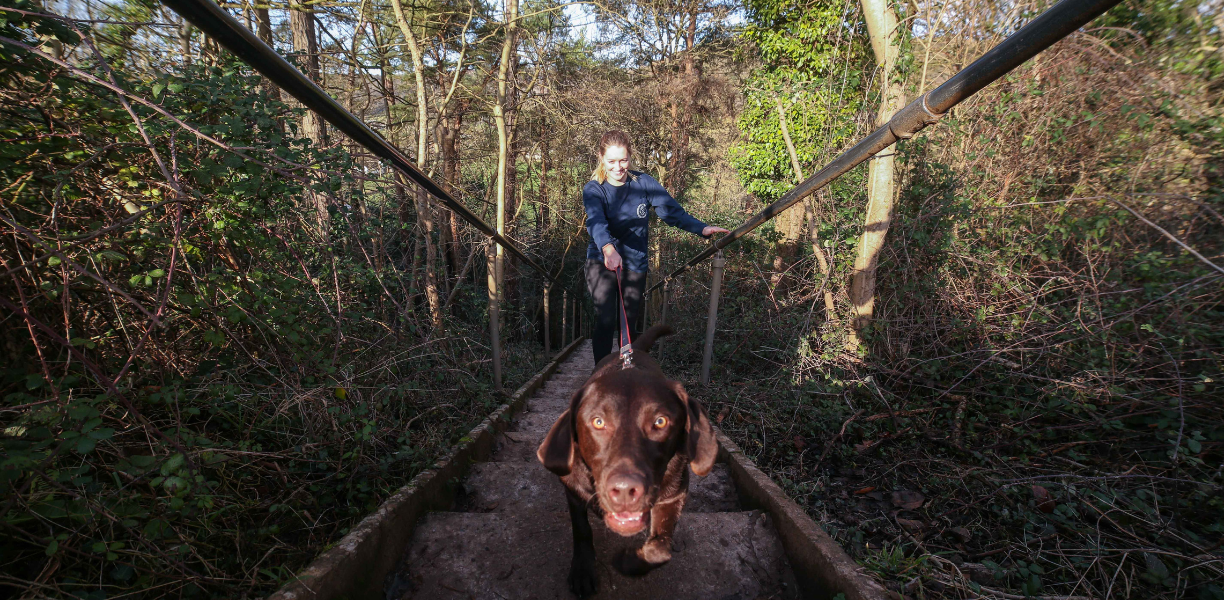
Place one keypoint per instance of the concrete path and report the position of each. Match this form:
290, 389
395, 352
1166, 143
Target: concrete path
509, 537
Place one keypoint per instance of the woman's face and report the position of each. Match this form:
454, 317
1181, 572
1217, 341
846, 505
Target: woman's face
616, 163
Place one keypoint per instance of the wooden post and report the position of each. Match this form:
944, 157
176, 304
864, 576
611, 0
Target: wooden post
547, 329
662, 319
646, 309
712, 320
494, 318
564, 316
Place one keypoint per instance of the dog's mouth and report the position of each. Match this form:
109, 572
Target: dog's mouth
625, 523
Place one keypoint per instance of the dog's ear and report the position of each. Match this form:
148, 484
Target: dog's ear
700, 443
557, 450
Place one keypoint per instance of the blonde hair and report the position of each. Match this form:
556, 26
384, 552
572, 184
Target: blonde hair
612, 138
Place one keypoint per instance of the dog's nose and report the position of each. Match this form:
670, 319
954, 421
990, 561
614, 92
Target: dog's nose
625, 492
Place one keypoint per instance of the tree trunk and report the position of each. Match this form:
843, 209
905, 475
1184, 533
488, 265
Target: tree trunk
302, 25
449, 127
453, 176
821, 261
305, 43
790, 222
682, 113
882, 28
184, 33
509, 265
544, 167
505, 86
388, 95
425, 209
263, 21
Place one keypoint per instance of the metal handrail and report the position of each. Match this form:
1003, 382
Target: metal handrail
1053, 25
227, 31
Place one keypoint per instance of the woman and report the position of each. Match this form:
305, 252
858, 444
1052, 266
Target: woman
616, 201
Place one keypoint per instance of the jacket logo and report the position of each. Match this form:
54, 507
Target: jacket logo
641, 211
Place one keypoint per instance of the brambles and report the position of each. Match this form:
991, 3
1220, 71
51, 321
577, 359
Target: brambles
1041, 360
209, 393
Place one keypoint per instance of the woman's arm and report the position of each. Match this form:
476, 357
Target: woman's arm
597, 224
672, 213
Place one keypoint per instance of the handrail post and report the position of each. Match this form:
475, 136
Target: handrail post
564, 317
494, 317
645, 310
712, 320
662, 319
547, 323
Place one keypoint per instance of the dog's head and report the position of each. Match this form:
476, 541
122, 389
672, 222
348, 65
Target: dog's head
626, 429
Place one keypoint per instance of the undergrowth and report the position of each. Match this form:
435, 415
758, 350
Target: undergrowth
213, 385
1035, 410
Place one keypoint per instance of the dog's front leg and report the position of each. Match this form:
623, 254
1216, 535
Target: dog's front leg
582, 579
657, 549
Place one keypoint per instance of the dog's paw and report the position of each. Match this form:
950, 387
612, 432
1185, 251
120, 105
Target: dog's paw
582, 579
631, 564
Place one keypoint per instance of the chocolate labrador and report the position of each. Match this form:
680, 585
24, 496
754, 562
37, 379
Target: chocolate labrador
624, 449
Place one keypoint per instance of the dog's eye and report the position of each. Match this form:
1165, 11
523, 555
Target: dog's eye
597, 423
660, 422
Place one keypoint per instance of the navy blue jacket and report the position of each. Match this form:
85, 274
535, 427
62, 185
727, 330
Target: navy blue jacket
617, 215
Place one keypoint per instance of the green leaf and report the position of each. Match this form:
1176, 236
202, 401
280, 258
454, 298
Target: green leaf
156, 528
1194, 446
52, 547
102, 434
156, 273
172, 464
85, 445
174, 485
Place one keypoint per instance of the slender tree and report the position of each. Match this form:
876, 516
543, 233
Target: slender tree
501, 110
425, 204
882, 29
306, 45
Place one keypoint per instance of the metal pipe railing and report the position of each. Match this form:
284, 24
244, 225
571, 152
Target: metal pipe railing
1053, 25
227, 31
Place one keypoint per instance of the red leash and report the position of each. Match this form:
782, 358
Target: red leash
626, 351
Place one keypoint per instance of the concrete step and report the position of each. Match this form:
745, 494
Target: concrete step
526, 556
526, 487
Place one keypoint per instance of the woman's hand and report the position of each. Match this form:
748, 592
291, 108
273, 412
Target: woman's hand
612, 258
711, 230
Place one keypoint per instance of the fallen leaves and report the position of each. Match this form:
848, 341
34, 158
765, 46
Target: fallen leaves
911, 526
906, 500
961, 533
1045, 503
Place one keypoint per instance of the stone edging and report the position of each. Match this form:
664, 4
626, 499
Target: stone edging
356, 566
822, 568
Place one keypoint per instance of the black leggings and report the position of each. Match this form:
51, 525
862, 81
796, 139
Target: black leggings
601, 283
